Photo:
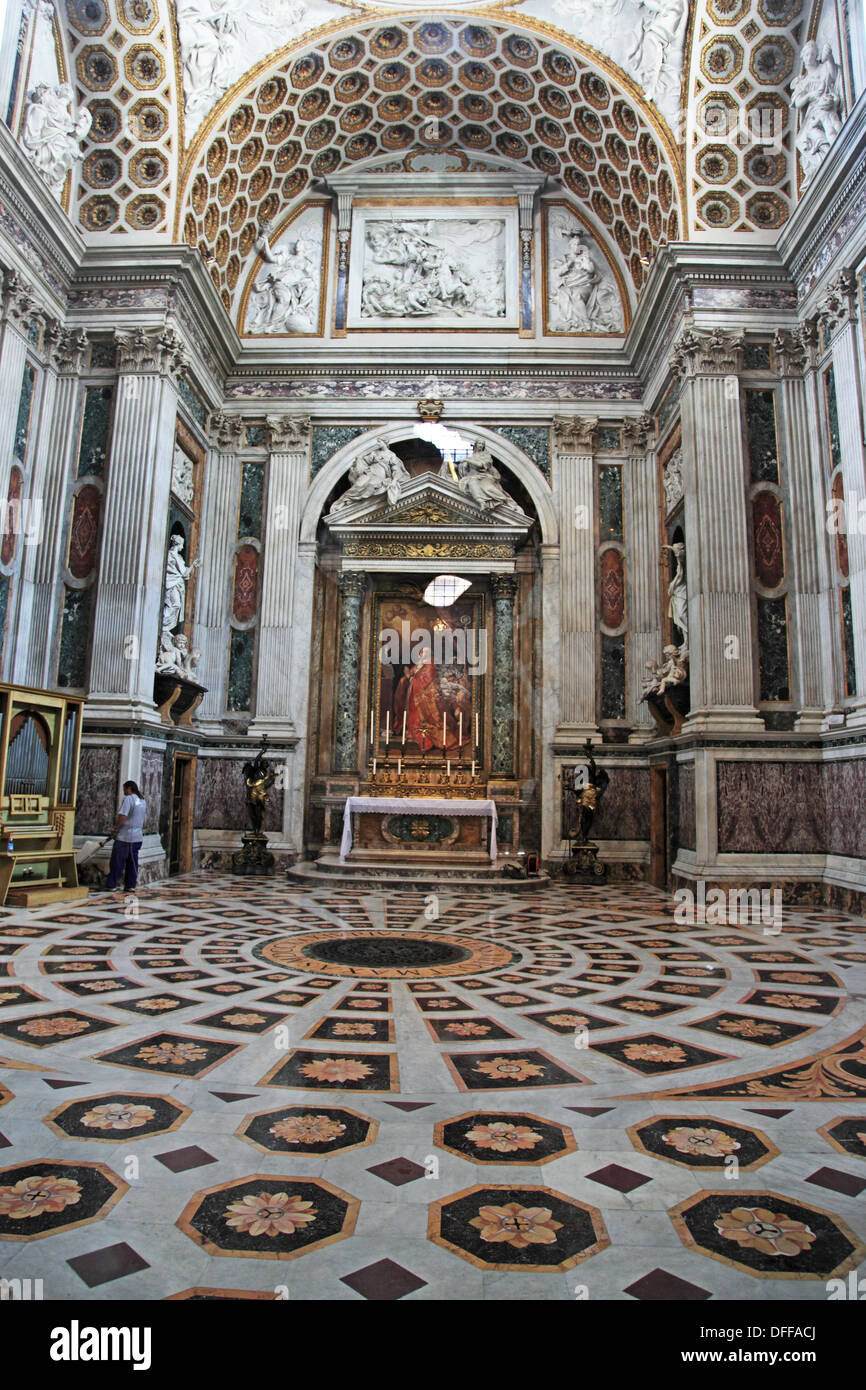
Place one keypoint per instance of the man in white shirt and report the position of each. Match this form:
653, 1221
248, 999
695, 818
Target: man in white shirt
128, 834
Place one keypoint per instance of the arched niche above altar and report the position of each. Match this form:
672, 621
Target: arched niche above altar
408, 506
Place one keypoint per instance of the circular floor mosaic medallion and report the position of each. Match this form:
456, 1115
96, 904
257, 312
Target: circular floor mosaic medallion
386, 954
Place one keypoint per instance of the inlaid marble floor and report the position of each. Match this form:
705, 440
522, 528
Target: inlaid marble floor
229, 1088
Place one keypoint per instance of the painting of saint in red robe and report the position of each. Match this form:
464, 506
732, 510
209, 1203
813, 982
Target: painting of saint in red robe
432, 694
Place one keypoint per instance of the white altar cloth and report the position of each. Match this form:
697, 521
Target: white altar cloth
422, 805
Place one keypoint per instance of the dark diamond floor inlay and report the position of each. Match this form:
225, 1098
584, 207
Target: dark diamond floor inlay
384, 1280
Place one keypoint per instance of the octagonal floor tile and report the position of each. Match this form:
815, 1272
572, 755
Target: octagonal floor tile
767, 1234
267, 1216
44, 1196
706, 1142
117, 1117
494, 1137
307, 1129
532, 1229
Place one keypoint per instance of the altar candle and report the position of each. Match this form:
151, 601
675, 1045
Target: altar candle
477, 739
460, 725
399, 766
473, 769
387, 727
404, 727
448, 768
371, 728
374, 767
444, 717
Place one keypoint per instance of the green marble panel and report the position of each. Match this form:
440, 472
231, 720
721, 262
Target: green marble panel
773, 649
833, 437
25, 410
761, 428
192, 402
240, 686
532, 440
327, 439
609, 440
848, 642
5, 584
756, 357
668, 408
346, 732
256, 436
610, 502
613, 677
74, 638
103, 355
252, 497
95, 427
420, 829
503, 684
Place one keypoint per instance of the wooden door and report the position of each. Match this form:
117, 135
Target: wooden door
180, 824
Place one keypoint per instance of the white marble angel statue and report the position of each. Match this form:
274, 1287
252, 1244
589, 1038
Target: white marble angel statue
817, 95
480, 479
176, 575
678, 599
377, 472
658, 41
52, 135
216, 37
285, 295
581, 298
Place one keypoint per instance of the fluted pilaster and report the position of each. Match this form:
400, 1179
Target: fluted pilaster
129, 598
213, 593
287, 477
838, 313
642, 568
813, 630
575, 439
721, 666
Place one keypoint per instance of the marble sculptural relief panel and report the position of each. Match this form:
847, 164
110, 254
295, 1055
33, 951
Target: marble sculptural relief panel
434, 267
285, 293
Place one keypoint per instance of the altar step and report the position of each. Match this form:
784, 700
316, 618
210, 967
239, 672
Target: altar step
347, 873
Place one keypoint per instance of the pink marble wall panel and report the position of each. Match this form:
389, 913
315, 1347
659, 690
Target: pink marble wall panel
150, 784
687, 830
219, 796
624, 813
771, 808
97, 804
845, 800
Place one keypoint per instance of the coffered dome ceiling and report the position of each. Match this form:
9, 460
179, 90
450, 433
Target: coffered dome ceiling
212, 115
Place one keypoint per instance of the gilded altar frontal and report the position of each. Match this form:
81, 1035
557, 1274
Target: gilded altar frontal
433, 664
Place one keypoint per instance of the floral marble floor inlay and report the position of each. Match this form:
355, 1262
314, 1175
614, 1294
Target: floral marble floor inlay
246, 1074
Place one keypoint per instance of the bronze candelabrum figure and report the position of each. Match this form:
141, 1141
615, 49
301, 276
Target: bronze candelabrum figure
587, 786
255, 857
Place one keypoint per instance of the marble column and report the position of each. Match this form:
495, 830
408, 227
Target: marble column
19, 310
813, 629
353, 588
130, 593
838, 311
287, 482
53, 473
504, 588
644, 637
575, 490
212, 633
718, 546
